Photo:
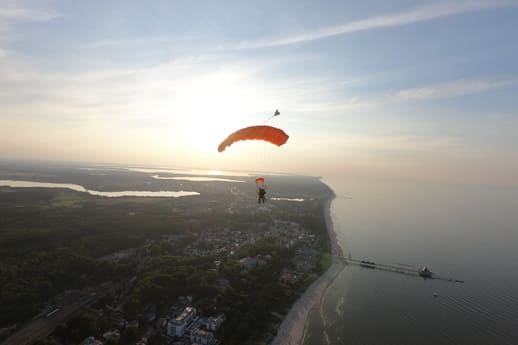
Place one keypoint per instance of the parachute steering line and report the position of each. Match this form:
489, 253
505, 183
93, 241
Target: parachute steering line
269, 134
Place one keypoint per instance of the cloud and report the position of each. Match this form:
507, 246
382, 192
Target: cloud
417, 15
11, 15
142, 41
450, 89
155, 97
439, 91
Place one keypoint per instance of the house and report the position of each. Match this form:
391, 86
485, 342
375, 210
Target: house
115, 335
214, 323
202, 337
120, 322
133, 325
91, 341
248, 262
223, 283
142, 341
150, 316
288, 277
176, 327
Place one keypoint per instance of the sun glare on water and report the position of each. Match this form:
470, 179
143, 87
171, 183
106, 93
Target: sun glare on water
215, 172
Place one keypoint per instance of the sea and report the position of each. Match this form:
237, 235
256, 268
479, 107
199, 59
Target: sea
463, 232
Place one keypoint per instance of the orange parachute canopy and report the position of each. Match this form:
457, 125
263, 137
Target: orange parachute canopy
259, 180
270, 134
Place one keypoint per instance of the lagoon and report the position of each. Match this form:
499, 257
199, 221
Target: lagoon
195, 179
78, 188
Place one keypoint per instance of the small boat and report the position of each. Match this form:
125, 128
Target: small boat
435, 294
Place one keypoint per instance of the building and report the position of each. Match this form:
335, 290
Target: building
133, 325
91, 341
223, 283
214, 323
202, 337
176, 327
142, 341
248, 262
112, 335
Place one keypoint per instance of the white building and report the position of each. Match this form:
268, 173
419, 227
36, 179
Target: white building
176, 327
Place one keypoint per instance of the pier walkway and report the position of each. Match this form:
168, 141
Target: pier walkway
399, 268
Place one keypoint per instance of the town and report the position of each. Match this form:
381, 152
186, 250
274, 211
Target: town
212, 269
184, 322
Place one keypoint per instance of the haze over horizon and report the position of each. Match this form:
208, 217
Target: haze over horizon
410, 89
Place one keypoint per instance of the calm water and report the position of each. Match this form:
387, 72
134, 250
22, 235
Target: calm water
196, 179
78, 188
464, 232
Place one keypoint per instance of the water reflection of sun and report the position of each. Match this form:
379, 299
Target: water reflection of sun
215, 172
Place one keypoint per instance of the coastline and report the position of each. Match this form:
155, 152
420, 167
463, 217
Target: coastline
292, 330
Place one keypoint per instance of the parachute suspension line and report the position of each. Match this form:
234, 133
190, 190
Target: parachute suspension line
259, 182
265, 152
272, 135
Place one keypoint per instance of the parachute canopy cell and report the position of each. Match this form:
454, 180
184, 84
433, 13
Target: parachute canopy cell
270, 134
259, 180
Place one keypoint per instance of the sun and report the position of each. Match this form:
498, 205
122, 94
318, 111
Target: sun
212, 107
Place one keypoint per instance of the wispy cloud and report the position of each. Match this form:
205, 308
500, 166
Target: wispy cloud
165, 92
439, 91
10, 15
387, 99
416, 15
450, 89
142, 41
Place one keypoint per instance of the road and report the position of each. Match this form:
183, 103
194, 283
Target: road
42, 327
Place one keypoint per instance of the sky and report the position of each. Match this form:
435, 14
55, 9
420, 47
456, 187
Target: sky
421, 90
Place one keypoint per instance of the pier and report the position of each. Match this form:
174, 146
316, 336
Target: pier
400, 268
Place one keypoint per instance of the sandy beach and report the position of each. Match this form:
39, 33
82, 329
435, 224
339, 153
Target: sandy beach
292, 329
